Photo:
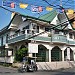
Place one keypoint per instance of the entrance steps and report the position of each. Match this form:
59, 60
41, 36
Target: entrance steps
55, 65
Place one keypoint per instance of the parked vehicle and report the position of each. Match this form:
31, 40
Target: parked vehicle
28, 65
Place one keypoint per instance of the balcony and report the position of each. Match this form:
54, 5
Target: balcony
19, 36
16, 39
71, 42
41, 38
57, 38
27, 36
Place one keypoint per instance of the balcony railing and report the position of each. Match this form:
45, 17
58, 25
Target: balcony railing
53, 38
20, 36
57, 38
71, 42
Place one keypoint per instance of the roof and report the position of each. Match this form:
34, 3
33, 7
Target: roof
49, 16
45, 18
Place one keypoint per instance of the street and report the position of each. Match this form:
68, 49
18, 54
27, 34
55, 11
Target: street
12, 71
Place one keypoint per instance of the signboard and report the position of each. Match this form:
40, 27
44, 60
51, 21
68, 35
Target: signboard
32, 48
9, 53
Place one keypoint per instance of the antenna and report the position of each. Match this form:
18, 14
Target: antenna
60, 2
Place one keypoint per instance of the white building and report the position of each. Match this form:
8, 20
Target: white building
54, 47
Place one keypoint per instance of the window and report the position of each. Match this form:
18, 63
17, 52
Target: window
56, 32
37, 29
74, 36
27, 27
70, 35
2, 54
2, 41
47, 29
7, 38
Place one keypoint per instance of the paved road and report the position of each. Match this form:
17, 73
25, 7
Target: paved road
11, 71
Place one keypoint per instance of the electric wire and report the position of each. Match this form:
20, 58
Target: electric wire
41, 32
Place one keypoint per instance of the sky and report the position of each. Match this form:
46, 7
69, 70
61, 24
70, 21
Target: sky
5, 16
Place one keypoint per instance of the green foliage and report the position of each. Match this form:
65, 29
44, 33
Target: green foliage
20, 54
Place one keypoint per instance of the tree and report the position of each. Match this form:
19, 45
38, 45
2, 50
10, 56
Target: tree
20, 54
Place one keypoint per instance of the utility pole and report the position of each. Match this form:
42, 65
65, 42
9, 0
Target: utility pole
61, 3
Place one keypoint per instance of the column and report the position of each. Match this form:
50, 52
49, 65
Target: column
62, 55
49, 55
68, 53
74, 55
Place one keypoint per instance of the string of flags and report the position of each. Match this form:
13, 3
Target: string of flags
36, 8
8, 4
24, 6
33, 7
21, 5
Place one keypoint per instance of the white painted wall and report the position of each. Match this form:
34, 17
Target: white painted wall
55, 20
7, 59
16, 21
23, 24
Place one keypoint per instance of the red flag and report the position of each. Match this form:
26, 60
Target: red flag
63, 10
12, 5
9, 4
40, 9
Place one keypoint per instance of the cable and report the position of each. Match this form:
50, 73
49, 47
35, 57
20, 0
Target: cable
12, 11
54, 27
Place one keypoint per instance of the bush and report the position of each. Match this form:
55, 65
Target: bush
20, 54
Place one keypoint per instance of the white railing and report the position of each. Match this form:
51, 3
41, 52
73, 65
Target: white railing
27, 31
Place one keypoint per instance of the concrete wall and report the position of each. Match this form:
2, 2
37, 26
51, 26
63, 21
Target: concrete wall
7, 59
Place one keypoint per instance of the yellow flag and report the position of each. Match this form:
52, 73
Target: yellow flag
21, 5
70, 11
49, 8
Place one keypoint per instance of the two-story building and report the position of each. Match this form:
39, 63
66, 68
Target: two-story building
50, 38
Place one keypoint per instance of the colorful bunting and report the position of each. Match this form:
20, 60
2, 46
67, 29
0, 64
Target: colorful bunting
21, 5
9, 4
70, 11
36, 8
12, 5
49, 8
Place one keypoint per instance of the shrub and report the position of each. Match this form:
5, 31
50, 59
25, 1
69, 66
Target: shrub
20, 54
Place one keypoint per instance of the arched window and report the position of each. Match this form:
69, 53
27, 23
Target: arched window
56, 54
22, 46
43, 54
71, 54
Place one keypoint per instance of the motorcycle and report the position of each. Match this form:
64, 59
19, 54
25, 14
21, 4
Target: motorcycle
30, 66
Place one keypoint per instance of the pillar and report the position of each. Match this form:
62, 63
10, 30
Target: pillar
62, 55
49, 55
68, 53
74, 55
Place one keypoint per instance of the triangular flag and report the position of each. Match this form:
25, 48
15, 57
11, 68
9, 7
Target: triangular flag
70, 11
36, 8
49, 8
9, 4
21, 5
40, 9
12, 5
